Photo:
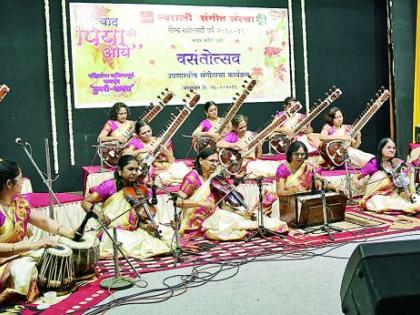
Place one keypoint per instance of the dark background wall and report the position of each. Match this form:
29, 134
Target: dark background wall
346, 47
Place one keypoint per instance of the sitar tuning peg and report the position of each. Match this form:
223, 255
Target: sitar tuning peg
377, 94
382, 87
151, 103
166, 89
237, 93
246, 81
334, 87
187, 95
371, 100
191, 91
234, 98
159, 97
184, 100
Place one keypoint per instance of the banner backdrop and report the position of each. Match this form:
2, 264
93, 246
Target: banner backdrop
130, 52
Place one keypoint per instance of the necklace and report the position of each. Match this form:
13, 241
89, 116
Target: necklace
6, 209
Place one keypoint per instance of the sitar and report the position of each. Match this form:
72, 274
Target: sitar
281, 142
334, 151
191, 100
111, 150
232, 160
164, 98
205, 141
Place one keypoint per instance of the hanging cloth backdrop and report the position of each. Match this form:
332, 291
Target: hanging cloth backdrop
128, 52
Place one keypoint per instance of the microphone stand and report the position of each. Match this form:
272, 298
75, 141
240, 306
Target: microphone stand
262, 230
47, 181
326, 227
349, 185
117, 281
178, 252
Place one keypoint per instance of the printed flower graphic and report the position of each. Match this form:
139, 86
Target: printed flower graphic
257, 72
272, 51
279, 72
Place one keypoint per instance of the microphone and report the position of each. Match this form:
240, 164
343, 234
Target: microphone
21, 141
313, 188
238, 180
154, 197
81, 230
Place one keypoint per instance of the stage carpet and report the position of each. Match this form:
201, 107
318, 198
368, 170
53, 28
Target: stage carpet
358, 225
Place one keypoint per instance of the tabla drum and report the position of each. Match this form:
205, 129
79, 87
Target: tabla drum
56, 269
85, 255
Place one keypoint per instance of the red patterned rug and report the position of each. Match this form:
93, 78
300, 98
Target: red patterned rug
357, 225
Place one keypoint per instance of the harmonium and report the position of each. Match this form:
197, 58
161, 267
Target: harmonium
305, 209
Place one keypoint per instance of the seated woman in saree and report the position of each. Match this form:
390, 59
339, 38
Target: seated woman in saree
136, 233
118, 127
306, 135
200, 215
386, 172
334, 129
208, 126
296, 174
237, 140
18, 256
164, 168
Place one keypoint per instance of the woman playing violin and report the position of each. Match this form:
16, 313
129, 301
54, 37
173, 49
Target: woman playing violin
387, 172
18, 259
134, 231
164, 166
334, 129
118, 124
200, 216
207, 127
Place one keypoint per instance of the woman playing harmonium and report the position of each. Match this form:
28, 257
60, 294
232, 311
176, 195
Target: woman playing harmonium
18, 258
296, 174
390, 185
118, 127
306, 135
237, 140
201, 216
138, 234
334, 129
164, 168
208, 126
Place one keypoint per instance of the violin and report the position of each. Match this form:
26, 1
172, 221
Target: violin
397, 169
137, 195
223, 190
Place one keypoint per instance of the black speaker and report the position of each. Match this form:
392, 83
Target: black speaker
382, 278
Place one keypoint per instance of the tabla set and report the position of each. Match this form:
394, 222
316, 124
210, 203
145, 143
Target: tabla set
61, 266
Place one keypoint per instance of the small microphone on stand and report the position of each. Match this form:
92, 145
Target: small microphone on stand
313, 188
154, 197
238, 180
21, 141
81, 230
